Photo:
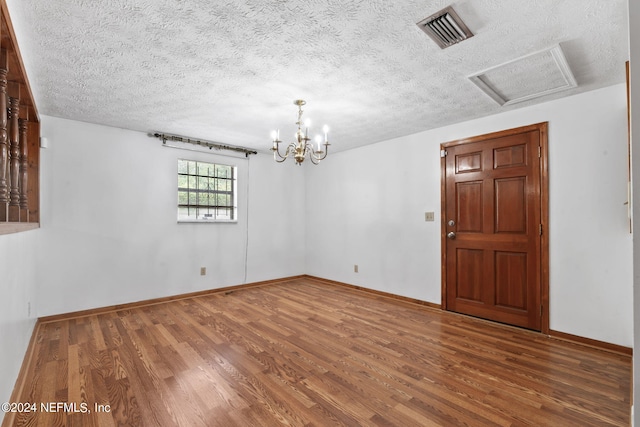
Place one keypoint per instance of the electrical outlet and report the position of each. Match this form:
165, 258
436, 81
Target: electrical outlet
203, 271
355, 268
430, 216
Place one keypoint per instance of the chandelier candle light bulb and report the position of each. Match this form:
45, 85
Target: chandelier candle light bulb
301, 147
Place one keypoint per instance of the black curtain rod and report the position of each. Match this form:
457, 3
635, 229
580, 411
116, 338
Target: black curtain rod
167, 137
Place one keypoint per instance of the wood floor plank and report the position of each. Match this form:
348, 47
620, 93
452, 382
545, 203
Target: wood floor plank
305, 353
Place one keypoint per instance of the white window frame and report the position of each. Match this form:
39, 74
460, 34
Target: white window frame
205, 213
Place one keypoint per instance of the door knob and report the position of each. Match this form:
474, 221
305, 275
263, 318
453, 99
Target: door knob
451, 235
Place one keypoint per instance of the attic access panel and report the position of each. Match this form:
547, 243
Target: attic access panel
530, 76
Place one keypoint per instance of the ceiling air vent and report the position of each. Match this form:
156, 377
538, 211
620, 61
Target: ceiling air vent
445, 28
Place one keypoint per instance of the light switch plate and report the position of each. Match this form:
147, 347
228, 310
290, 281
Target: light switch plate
429, 216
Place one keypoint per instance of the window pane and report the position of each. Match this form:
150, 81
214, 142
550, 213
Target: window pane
192, 168
182, 181
182, 166
183, 199
202, 183
223, 200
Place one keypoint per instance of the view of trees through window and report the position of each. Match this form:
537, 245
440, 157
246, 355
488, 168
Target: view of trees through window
206, 191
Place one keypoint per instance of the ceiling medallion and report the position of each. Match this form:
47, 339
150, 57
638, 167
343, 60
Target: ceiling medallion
301, 148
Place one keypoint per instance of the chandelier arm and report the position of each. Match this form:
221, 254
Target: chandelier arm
313, 155
326, 151
309, 148
282, 159
276, 154
276, 151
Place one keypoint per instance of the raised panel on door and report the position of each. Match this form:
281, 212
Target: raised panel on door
510, 211
468, 162
469, 202
469, 274
511, 280
511, 156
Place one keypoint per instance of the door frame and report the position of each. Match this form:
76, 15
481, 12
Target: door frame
544, 211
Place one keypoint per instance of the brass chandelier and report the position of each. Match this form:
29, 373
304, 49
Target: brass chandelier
301, 148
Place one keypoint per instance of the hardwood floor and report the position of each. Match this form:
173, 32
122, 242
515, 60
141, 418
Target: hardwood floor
306, 353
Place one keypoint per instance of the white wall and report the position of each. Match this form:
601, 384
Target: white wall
366, 206
109, 232
17, 291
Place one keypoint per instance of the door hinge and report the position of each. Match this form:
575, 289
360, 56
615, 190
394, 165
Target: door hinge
539, 151
443, 153
541, 310
541, 229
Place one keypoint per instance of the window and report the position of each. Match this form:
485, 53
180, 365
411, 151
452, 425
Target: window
206, 191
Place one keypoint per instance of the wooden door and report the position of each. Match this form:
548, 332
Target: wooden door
494, 219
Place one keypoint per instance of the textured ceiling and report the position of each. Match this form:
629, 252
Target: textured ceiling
228, 71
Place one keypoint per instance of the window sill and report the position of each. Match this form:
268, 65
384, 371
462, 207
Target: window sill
207, 221
17, 227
